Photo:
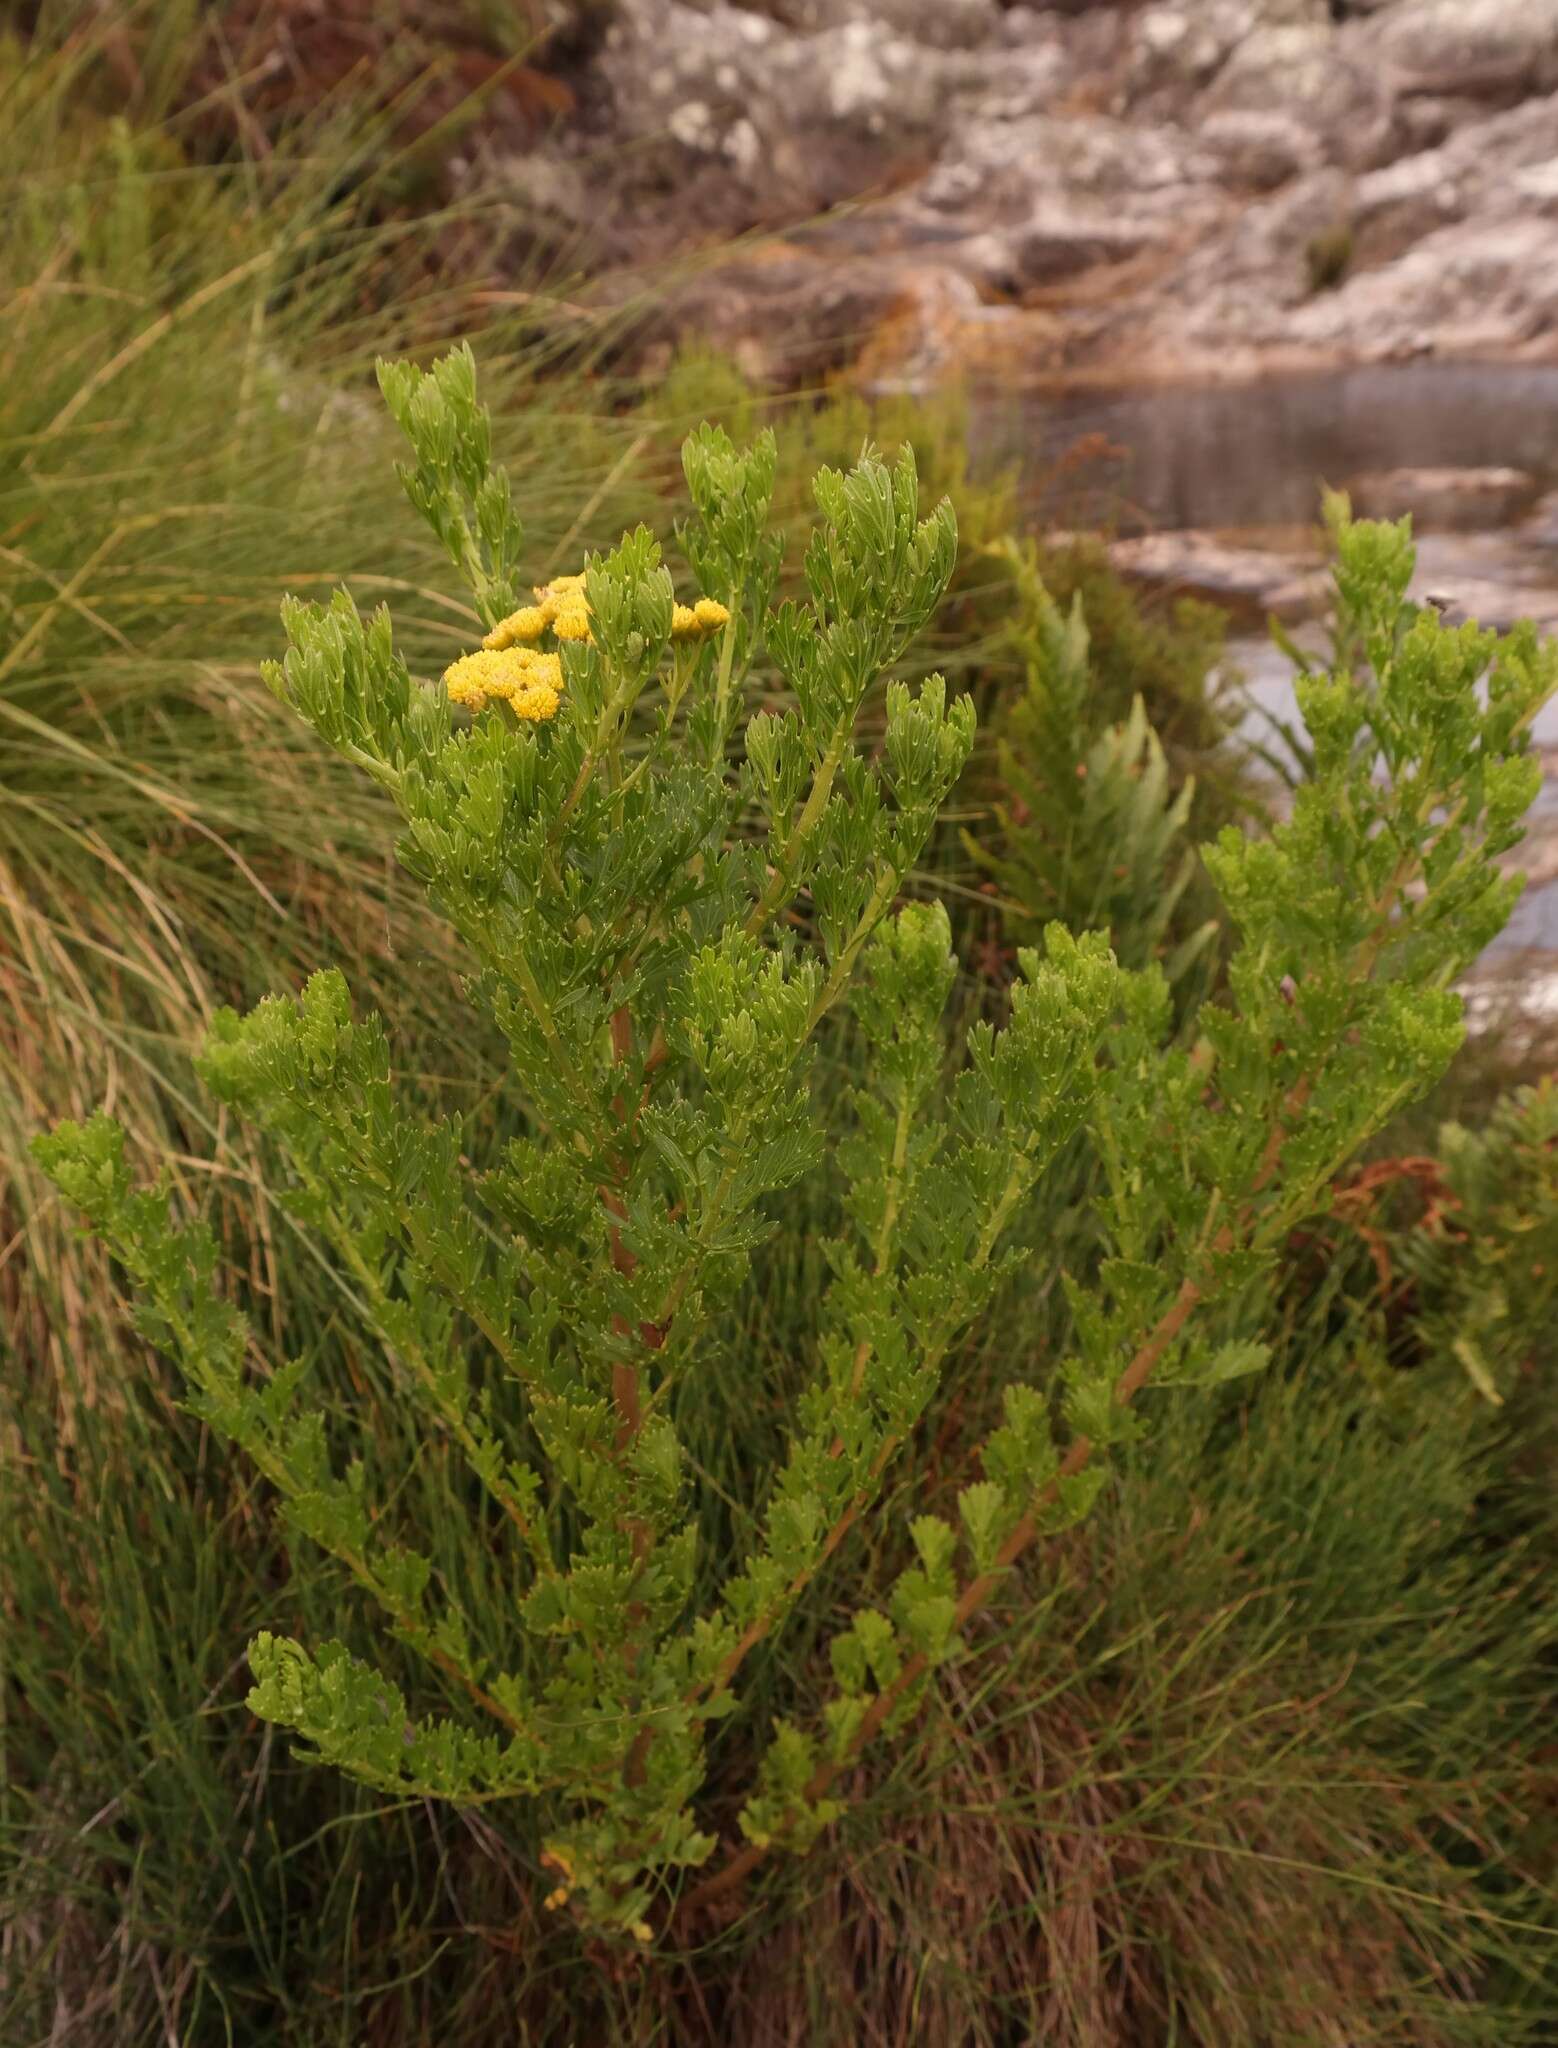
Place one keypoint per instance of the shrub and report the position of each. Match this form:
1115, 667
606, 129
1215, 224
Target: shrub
1486, 1258
1328, 257
1144, 645
1086, 827
658, 933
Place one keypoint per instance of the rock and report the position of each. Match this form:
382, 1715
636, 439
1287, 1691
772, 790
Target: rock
1396, 206
1538, 185
1540, 527
1259, 149
1060, 242
1176, 50
1022, 204
1006, 161
1485, 165
1514, 996
1482, 577
785, 316
1245, 278
735, 121
1451, 500
1300, 597
1157, 171
1191, 563
789, 315
1488, 558
1303, 70
1497, 607
1477, 286
937, 24
1467, 47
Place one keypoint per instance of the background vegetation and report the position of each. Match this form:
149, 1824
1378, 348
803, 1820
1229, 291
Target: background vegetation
1262, 1755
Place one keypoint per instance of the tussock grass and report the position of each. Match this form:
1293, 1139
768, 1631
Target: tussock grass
187, 431
1232, 1778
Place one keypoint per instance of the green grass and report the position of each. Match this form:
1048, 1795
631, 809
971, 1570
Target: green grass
1254, 1759
188, 431
1251, 1765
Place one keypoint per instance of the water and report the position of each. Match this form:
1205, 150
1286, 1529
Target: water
1256, 455
1250, 461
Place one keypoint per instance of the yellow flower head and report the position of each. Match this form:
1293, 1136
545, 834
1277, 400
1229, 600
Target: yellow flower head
572, 623
544, 671
528, 681
563, 593
537, 703
527, 624
469, 680
706, 616
561, 604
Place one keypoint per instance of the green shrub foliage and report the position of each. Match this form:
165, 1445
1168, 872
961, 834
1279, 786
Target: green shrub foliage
1087, 829
1485, 1262
665, 896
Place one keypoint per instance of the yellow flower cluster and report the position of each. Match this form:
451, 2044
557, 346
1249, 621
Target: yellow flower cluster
563, 606
511, 667
525, 626
560, 604
706, 616
531, 684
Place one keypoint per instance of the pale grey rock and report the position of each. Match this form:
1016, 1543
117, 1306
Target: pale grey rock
783, 318
1496, 607
1397, 205
1011, 168
1243, 578
937, 24
1249, 277
1177, 49
1468, 44
773, 122
1474, 288
1537, 185
1480, 576
1449, 500
1257, 150
1303, 70
1179, 156
1540, 526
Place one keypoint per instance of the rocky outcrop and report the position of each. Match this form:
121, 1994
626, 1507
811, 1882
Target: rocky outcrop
1260, 583
1193, 189
1445, 500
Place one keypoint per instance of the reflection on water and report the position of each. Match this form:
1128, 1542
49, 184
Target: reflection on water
1257, 454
